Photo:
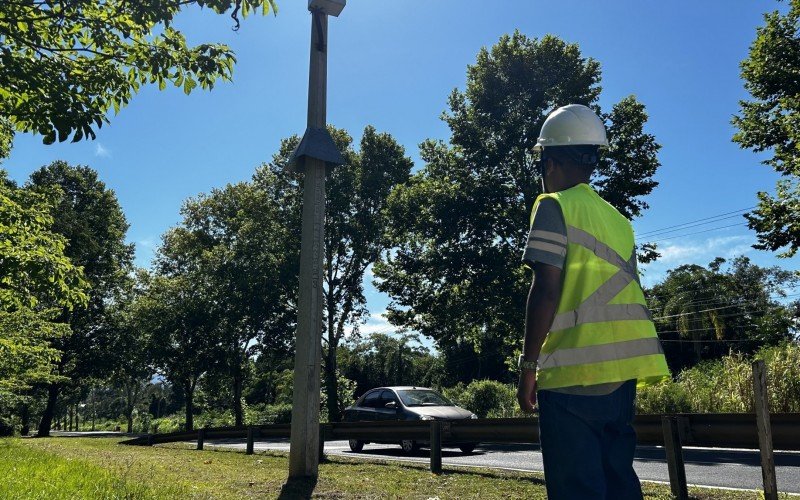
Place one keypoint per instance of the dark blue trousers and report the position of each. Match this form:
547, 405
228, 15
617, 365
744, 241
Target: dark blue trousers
588, 444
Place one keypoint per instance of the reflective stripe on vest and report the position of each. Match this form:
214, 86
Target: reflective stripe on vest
596, 309
600, 353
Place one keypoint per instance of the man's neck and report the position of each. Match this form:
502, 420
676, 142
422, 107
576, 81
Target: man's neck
569, 185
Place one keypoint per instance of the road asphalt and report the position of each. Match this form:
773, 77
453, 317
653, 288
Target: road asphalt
716, 467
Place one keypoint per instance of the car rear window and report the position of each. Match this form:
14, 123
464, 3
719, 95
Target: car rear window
418, 397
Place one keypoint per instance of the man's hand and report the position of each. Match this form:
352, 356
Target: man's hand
526, 391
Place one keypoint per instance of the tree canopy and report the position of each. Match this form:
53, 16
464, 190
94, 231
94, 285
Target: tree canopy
770, 122
460, 223
705, 312
356, 225
38, 279
65, 64
89, 217
234, 241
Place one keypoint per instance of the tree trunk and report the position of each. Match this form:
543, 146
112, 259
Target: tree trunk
69, 412
129, 404
188, 392
49, 411
331, 385
698, 347
237, 392
329, 367
77, 417
25, 416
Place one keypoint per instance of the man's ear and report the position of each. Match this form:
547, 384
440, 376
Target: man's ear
550, 166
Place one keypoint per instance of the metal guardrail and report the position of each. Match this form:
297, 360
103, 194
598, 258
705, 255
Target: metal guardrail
728, 430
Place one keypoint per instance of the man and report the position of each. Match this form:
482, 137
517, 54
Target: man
589, 338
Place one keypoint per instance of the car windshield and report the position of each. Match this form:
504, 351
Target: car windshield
418, 397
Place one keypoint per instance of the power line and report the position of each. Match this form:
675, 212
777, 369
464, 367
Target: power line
721, 300
663, 232
698, 232
704, 341
698, 220
740, 304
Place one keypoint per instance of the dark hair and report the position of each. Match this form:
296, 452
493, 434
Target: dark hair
582, 157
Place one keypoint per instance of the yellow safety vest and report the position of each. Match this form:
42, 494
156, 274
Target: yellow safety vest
602, 331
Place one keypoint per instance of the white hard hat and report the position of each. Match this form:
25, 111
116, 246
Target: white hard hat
572, 125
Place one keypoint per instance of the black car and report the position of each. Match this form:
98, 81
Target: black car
405, 403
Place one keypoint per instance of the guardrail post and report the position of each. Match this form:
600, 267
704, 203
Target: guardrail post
250, 438
436, 446
149, 440
672, 445
201, 437
323, 434
761, 397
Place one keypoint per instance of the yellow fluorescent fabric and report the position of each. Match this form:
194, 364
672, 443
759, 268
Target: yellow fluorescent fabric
602, 326
646, 370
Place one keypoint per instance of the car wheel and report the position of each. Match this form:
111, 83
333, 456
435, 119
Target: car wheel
409, 446
467, 448
356, 445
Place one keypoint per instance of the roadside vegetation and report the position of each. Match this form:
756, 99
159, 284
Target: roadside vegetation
96, 468
205, 335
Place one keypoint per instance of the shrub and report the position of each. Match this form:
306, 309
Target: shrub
667, 397
263, 414
485, 398
6, 428
783, 376
726, 385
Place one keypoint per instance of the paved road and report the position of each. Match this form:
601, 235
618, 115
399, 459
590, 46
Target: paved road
708, 467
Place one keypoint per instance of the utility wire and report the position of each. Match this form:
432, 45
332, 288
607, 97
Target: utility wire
696, 232
664, 232
740, 304
723, 300
774, 295
737, 212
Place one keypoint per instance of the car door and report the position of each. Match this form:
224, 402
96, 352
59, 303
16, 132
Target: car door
384, 413
369, 405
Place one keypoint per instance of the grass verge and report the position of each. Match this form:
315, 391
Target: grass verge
56, 468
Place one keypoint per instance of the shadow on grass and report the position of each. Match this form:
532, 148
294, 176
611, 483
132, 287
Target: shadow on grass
297, 488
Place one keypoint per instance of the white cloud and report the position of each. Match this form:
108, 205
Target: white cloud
145, 251
696, 252
725, 246
376, 323
147, 242
102, 152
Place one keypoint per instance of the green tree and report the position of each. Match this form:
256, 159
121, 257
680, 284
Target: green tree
131, 370
181, 330
236, 242
705, 313
770, 122
356, 225
6, 138
37, 280
88, 215
460, 223
383, 359
65, 65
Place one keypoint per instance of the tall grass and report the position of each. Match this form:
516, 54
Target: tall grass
726, 386
27, 473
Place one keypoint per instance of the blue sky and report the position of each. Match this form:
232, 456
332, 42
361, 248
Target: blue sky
393, 64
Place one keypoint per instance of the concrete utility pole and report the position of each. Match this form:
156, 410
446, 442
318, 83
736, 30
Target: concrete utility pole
314, 153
